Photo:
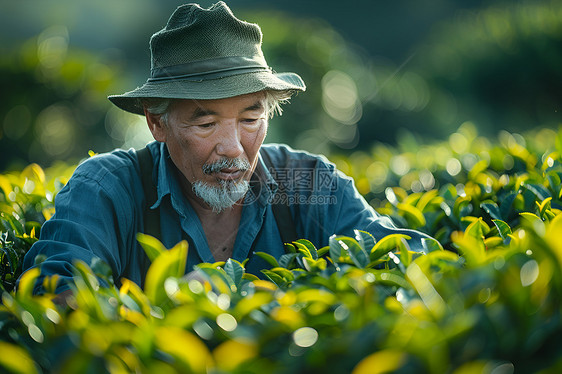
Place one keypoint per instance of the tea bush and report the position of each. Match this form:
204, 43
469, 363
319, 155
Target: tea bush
483, 297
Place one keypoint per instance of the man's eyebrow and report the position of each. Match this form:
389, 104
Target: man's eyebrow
258, 105
201, 112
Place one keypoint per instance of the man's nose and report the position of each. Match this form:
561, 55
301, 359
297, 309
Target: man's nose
229, 143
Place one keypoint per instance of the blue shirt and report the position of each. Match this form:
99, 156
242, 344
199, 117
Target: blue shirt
100, 211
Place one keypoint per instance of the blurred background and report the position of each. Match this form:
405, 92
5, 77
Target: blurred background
376, 71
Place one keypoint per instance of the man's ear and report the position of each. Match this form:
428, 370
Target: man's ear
155, 125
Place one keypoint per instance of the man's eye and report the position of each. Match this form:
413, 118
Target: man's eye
250, 121
206, 125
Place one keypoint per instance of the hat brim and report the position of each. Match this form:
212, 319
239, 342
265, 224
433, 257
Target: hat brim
209, 89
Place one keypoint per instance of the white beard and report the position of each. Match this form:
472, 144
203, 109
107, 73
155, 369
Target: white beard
228, 192
223, 196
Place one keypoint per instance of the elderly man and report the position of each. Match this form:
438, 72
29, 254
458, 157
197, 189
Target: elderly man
208, 177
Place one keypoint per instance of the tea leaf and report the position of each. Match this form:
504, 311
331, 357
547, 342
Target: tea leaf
314, 265
152, 246
462, 207
168, 264
234, 270
322, 251
438, 260
543, 206
503, 228
365, 240
265, 285
287, 260
387, 244
492, 209
477, 229
232, 354
385, 361
306, 248
540, 191
431, 245
250, 277
471, 247
478, 168
5, 185
414, 214
355, 251
274, 277
507, 204
268, 258
337, 252
391, 278
16, 359
34, 172
27, 282
427, 199
288, 275
289, 248
553, 235
174, 341
429, 295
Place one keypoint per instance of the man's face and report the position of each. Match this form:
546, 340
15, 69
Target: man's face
215, 143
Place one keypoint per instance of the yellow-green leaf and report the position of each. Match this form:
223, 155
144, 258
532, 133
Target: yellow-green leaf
5, 185
478, 168
553, 235
306, 248
543, 206
185, 347
265, 285
16, 359
427, 199
387, 244
533, 221
412, 213
152, 246
250, 303
477, 229
385, 361
34, 172
231, 354
503, 228
27, 282
168, 264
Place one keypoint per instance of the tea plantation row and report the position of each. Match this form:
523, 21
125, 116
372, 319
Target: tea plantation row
483, 297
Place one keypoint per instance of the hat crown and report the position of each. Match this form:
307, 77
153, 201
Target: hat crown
196, 34
206, 54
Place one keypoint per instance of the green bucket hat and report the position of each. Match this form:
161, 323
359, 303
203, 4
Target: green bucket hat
206, 54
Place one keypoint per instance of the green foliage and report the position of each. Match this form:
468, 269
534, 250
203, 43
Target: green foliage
497, 66
57, 107
26, 202
485, 63
486, 295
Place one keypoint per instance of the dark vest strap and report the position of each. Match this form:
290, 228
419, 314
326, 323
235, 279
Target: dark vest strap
281, 210
151, 216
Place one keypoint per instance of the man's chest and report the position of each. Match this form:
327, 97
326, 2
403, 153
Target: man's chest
221, 232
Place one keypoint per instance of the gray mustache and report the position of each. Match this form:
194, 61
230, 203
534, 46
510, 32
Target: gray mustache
226, 163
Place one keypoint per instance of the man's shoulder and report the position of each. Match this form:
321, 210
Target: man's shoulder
118, 163
283, 155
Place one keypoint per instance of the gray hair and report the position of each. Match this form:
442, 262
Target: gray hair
158, 106
274, 100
